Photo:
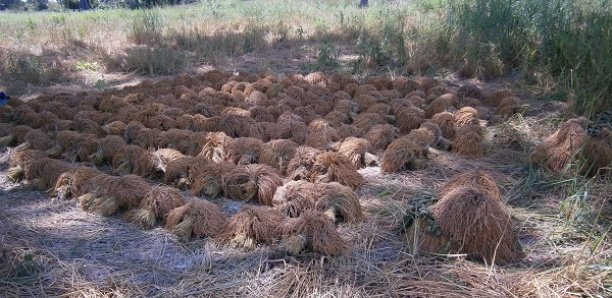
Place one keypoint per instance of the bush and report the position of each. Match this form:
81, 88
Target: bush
155, 61
19, 69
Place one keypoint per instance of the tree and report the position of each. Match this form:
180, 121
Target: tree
84, 5
8, 4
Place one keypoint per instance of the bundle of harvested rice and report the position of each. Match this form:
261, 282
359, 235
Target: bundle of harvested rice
478, 225
217, 147
339, 203
163, 157
466, 116
320, 134
176, 172
495, 97
108, 147
355, 149
380, 136
508, 106
469, 141
245, 151
365, 121
295, 197
112, 193
333, 166
468, 219
252, 182
38, 140
205, 178
409, 118
43, 173
76, 182
116, 128
572, 146
277, 154
302, 162
446, 122
134, 160
253, 225
155, 206
314, 232
470, 90
197, 218
403, 154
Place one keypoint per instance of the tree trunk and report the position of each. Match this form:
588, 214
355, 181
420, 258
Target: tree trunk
84, 5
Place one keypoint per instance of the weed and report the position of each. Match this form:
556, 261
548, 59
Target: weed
147, 27
155, 61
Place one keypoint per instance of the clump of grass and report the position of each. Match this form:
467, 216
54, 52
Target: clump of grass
19, 70
147, 27
162, 60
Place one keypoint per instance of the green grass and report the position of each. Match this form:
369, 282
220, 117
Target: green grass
562, 45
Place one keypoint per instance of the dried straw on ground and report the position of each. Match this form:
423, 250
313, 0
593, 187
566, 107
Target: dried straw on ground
253, 225
277, 154
558, 151
355, 150
205, 178
334, 166
252, 182
402, 154
197, 218
302, 162
155, 206
314, 232
468, 141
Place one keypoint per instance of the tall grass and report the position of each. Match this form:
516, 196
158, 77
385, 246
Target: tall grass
565, 40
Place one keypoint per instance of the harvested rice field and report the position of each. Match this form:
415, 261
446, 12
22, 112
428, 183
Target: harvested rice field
235, 184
